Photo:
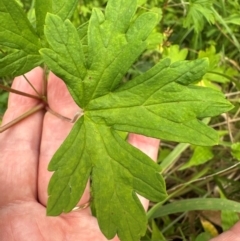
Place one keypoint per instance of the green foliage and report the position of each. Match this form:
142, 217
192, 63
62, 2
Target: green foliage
17, 33
196, 204
235, 150
156, 233
200, 155
196, 12
3, 100
19, 36
203, 237
175, 53
229, 218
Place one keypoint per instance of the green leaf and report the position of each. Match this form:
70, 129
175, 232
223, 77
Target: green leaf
74, 174
199, 10
196, 204
156, 233
235, 150
117, 43
220, 19
18, 63
158, 104
17, 33
174, 53
229, 218
66, 57
217, 72
15, 30
162, 103
108, 38
64, 9
82, 32
203, 237
3, 103
114, 194
173, 156
201, 155
41, 9
234, 19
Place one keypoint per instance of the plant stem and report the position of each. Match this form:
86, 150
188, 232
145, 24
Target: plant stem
24, 76
23, 116
225, 122
45, 82
20, 92
73, 120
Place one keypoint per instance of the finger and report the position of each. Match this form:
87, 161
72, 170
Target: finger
150, 147
55, 130
19, 145
232, 234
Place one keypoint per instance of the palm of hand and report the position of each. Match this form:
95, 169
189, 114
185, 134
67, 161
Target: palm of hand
26, 150
26, 220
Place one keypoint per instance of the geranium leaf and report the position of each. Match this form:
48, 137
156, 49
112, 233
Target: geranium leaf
66, 57
15, 30
115, 178
162, 103
41, 9
75, 174
119, 44
17, 33
158, 104
117, 40
18, 62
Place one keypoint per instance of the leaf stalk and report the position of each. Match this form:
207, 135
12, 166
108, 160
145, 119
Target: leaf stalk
22, 117
22, 93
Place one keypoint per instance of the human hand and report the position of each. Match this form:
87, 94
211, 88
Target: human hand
26, 150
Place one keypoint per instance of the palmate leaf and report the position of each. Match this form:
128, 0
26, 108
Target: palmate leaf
161, 103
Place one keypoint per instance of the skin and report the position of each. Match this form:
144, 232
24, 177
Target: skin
26, 150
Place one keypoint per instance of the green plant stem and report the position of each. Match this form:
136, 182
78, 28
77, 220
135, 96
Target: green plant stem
22, 117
